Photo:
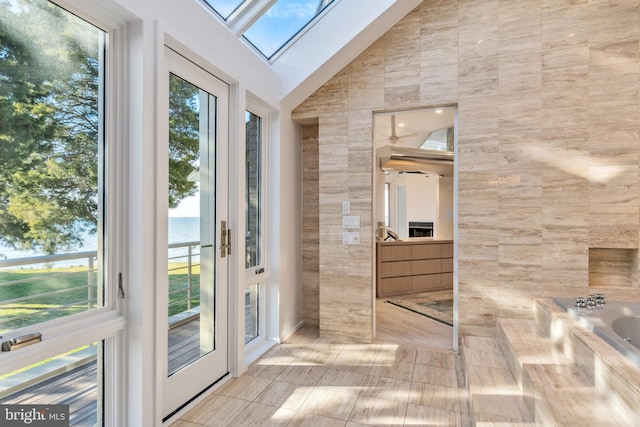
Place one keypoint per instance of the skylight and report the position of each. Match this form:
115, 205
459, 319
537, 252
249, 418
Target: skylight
281, 23
224, 8
268, 25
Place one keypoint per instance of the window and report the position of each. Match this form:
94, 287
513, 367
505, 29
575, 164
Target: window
224, 8
52, 164
53, 203
253, 157
255, 308
281, 23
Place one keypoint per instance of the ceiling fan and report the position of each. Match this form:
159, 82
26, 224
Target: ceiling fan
394, 138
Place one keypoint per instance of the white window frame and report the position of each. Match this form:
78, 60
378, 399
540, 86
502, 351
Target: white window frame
253, 275
105, 324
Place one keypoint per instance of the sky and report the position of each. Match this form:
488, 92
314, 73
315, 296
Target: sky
281, 22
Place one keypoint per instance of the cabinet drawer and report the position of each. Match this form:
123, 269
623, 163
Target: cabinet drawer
395, 269
447, 250
394, 285
427, 282
395, 253
447, 280
426, 251
426, 266
447, 265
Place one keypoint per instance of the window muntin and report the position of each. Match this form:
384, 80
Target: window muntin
52, 173
281, 23
224, 8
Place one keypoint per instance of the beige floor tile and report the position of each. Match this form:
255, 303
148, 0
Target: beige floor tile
379, 412
356, 358
438, 359
398, 370
435, 375
309, 420
318, 355
257, 414
216, 410
329, 403
245, 387
311, 381
487, 380
183, 423
342, 380
403, 353
492, 420
268, 368
302, 374
435, 396
386, 388
503, 405
426, 416
493, 358
286, 395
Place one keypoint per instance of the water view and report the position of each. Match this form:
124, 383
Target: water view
181, 229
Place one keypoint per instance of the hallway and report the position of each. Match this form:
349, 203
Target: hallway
412, 379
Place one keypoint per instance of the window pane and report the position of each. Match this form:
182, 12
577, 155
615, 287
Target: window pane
51, 167
73, 379
282, 22
192, 113
251, 312
252, 192
224, 8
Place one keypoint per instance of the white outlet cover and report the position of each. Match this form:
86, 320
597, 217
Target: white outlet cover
351, 238
351, 221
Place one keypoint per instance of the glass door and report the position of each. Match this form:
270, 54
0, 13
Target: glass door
194, 298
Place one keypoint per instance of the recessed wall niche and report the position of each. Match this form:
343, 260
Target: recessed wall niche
613, 268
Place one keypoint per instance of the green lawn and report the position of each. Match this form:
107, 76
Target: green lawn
33, 282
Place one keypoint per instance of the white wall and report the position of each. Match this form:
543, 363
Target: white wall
422, 197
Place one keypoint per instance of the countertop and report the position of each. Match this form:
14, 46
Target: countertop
415, 241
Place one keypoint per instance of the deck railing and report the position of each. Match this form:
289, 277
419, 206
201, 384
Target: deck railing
39, 288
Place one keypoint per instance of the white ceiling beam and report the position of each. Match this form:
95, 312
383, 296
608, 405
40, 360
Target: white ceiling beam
247, 14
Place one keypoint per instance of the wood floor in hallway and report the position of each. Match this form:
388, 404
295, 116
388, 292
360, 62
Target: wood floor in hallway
408, 377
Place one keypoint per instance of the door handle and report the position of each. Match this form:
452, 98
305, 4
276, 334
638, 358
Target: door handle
225, 239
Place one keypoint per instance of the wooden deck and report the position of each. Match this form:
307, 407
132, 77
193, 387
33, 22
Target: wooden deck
78, 387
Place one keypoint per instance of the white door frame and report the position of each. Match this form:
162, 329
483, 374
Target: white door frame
207, 370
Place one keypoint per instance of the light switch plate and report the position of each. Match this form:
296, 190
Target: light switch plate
351, 221
351, 238
346, 208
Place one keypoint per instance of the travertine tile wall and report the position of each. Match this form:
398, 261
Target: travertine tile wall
310, 226
548, 136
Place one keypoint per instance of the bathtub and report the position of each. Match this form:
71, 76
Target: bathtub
618, 323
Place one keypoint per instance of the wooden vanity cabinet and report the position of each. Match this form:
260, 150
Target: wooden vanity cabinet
413, 266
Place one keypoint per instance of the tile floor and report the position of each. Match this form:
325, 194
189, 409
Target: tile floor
308, 381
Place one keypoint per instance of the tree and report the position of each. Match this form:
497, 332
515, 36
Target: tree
50, 127
184, 138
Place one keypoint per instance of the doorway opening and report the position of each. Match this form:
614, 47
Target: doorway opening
414, 210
